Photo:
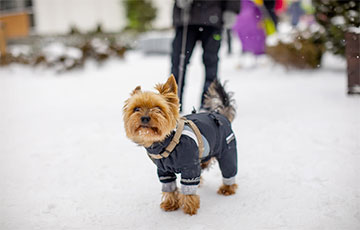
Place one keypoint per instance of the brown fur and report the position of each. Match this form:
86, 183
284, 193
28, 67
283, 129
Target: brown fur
227, 190
217, 99
173, 200
207, 164
189, 203
170, 201
162, 108
162, 111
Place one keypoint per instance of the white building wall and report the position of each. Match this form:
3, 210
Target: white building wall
58, 16
164, 13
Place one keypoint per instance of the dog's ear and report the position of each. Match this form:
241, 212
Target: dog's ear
169, 92
170, 86
136, 90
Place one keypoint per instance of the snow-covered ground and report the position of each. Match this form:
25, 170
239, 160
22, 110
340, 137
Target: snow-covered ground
65, 162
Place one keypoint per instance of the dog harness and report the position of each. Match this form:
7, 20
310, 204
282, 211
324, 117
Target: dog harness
182, 129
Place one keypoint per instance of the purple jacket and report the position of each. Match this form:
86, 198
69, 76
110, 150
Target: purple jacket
248, 28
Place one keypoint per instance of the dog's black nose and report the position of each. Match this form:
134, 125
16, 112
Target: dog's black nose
145, 119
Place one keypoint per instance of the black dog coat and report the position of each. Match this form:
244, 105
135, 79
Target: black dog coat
220, 143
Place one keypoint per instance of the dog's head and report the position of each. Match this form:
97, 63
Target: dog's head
149, 117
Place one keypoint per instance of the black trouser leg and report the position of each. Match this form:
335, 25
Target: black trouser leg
211, 40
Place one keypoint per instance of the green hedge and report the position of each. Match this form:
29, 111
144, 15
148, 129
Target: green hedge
140, 14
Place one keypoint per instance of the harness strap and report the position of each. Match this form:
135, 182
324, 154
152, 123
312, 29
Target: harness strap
182, 121
198, 136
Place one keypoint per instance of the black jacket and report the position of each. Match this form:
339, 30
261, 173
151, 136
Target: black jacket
206, 12
184, 158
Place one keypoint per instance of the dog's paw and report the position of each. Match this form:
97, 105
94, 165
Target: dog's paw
189, 203
170, 201
227, 190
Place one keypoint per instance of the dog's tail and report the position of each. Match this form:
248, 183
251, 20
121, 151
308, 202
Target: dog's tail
217, 99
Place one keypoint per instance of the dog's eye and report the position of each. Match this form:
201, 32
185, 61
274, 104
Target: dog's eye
136, 109
157, 109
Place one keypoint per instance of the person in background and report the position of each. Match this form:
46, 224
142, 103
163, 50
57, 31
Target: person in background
296, 11
249, 28
280, 6
206, 23
270, 7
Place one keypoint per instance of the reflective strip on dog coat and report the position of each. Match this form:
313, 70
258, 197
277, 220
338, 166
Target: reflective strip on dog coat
190, 133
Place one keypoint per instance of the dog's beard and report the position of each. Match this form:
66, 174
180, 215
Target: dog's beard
146, 134
144, 130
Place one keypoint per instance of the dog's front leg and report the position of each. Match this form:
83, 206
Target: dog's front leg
189, 201
170, 197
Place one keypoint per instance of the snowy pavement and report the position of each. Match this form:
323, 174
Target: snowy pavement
65, 162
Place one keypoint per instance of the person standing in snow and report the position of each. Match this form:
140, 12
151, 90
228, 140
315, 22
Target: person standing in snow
296, 11
206, 22
270, 7
250, 28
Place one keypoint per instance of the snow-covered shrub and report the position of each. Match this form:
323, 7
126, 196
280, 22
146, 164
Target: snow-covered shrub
301, 48
337, 17
58, 55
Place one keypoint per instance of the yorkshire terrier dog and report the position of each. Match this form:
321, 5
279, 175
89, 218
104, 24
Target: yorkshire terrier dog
183, 145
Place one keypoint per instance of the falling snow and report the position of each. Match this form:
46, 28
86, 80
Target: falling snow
65, 162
